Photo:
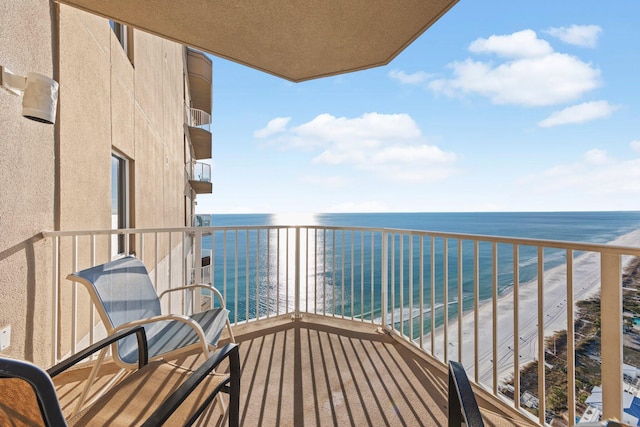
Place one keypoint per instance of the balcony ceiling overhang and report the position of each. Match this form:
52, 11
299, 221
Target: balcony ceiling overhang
294, 40
200, 141
201, 187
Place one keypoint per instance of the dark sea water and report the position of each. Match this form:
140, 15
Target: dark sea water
249, 284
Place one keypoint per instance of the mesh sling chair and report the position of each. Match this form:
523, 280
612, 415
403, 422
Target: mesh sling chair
28, 396
124, 296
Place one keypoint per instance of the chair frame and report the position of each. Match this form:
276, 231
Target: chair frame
42, 384
202, 342
463, 407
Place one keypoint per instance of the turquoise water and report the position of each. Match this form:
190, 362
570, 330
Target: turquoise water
254, 278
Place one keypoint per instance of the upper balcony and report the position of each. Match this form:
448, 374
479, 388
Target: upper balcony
337, 322
198, 128
200, 71
200, 177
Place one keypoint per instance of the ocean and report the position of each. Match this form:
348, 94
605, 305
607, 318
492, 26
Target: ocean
243, 267
591, 227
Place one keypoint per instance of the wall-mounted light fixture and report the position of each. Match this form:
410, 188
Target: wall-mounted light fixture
39, 94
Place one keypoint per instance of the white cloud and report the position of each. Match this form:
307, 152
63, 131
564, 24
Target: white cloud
635, 145
534, 76
389, 145
370, 126
579, 35
595, 176
522, 44
413, 78
277, 125
596, 157
581, 113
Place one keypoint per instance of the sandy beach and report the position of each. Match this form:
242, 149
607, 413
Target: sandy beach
586, 279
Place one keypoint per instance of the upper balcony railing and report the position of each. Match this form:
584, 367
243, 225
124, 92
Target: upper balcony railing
200, 177
454, 296
199, 131
197, 118
200, 171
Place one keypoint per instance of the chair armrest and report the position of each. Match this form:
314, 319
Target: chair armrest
463, 407
198, 285
143, 351
176, 317
41, 384
171, 403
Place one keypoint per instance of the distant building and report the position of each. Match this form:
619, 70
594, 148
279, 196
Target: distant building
529, 400
202, 221
591, 415
630, 372
630, 404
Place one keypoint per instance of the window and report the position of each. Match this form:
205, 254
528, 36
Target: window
124, 36
119, 201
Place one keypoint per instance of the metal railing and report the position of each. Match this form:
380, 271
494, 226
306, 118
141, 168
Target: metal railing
456, 297
200, 171
197, 118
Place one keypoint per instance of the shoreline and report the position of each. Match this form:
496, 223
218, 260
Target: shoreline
586, 280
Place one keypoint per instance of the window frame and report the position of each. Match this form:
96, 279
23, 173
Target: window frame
124, 34
122, 181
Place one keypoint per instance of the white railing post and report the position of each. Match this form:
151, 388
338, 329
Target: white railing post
571, 342
542, 405
197, 266
516, 326
74, 296
296, 313
432, 301
385, 279
494, 315
55, 319
611, 345
445, 299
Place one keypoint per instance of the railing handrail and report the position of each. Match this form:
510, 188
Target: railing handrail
556, 244
196, 117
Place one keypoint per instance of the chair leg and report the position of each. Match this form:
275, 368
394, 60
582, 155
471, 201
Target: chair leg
92, 377
233, 338
223, 407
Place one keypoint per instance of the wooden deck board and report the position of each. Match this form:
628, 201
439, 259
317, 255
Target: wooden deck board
329, 372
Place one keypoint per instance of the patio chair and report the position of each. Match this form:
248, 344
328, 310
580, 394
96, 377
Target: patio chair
463, 407
124, 296
28, 395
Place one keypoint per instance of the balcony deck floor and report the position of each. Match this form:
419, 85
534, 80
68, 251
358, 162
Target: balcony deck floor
326, 371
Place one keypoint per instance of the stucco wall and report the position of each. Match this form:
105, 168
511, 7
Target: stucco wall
27, 182
113, 104
60, 177
159, 132
136, 109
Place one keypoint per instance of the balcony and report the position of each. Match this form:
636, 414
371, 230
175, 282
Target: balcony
336, 322
198, 127
199, 69
200, 177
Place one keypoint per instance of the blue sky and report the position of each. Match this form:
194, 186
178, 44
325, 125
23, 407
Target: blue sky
499, 106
